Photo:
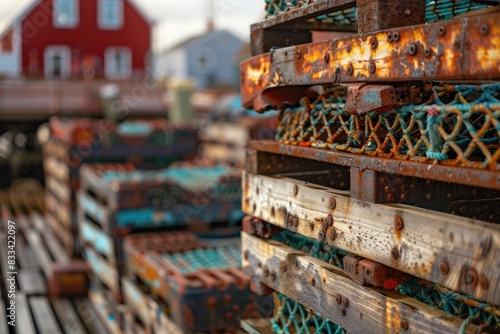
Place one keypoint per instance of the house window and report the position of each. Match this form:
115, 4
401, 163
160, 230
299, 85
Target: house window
117, 63
66, 13
110, 14
57, 62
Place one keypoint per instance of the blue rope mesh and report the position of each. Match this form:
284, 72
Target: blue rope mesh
221, 257
289, 315
436, 10
313, 247
464, 307
457, 122
292, 317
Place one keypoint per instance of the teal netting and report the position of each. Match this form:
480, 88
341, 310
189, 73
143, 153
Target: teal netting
222, 257
460, 123
436, 10
315, 248
464, 307
292, 317
289, 315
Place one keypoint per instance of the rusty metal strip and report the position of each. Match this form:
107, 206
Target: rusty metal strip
489, 179
325, 289
301, 14
461, 49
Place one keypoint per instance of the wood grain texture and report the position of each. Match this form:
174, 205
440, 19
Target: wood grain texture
256, 326
24, 322
68, 316
31, 282
46, 321
41, 253
427, 239
315, 284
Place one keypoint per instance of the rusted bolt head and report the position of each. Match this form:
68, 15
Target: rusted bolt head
349, 48
297, 263
211, 302
333, 202
483, 282
485, 246
338, 298
311, 225
399, 223
484, 29
374, 44
345, 302
273, 275
456, 44
321, 236
229, 315
427, 52
295, 221
246, 254
444, 268
394, 253
284, 266
337, 69
326, 58
350, 70
412, 49
342, 310
372, 68
389, 38
395, 37
441, 30
295, 190
298, 54
313, 281
471, 277
328, 220
266, 271
332, 235
404, 324
391, 198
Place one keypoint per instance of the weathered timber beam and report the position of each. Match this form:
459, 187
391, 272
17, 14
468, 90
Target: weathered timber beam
263, 153
416, 241
462, 49
316, 284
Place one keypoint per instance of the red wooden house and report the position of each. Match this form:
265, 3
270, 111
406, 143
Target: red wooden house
78, 39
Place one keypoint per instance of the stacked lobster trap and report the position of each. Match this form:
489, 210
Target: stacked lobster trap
117, 201
376, 207
72, 142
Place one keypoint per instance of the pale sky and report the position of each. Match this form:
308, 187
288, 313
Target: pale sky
176, 19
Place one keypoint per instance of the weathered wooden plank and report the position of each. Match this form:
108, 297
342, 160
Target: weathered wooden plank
24, 321
56, 249
92, 321
68, 316
42, 255
257, 326
45, 319
31, 282
316, 284
3, 315
104, 271
24, 254
39, 222
424, 243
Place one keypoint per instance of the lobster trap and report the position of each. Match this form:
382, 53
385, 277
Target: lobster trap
71, 143
376, 207
198, 282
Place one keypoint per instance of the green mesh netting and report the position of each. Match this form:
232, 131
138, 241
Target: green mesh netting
315, 248
289, 315
221, 257
292, 317
436, 10
464, 307
460, 123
